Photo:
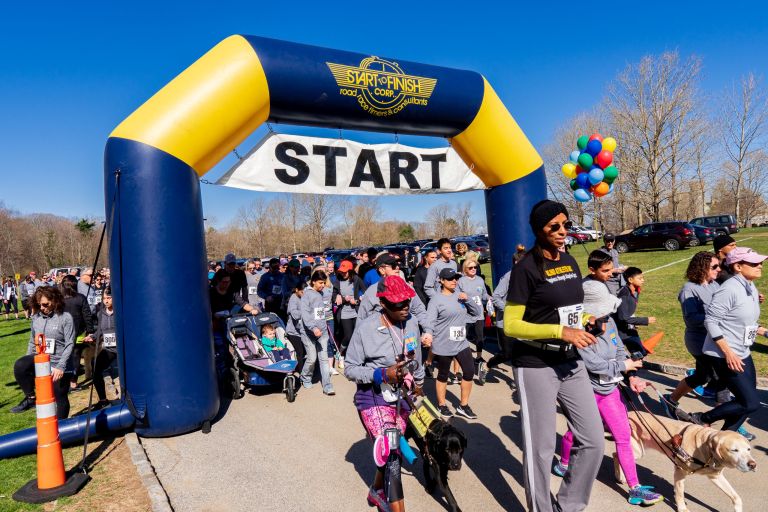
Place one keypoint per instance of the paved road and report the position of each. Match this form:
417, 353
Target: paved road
268, 455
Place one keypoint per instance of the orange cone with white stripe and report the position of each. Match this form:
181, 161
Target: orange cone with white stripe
50, 460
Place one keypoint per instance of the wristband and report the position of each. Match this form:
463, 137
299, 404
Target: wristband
377, 378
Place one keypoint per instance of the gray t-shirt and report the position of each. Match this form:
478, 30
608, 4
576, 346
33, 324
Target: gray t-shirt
294, 325
448, 317
89, 292
474, 287
253, 285
432, 282
733, 314
347, 289
694, 299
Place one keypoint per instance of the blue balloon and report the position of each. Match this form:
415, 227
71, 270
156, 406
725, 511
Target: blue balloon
596, 176
582, 195
610, 188
594, 147
582, 180
575, 156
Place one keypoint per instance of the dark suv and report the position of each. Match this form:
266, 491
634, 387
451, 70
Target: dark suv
668, 235
720, 224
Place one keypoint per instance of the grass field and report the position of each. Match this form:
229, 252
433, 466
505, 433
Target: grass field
659, 297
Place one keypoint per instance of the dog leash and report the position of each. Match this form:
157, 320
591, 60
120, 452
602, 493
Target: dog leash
679, 457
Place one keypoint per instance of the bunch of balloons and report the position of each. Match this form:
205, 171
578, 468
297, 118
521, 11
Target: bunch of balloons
590, 167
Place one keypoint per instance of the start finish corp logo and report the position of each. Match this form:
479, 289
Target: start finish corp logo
381, 87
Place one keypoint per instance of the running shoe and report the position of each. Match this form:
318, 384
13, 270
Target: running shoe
24, 405
746, 434
340, 364
453, 379
669, 406
329, 391
695, 418
334, 372
723, 397
482, 371
428, 371
643, 495
560, 469
466, 411
445, 412
378, 499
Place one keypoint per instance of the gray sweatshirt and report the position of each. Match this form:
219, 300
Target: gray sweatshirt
432, 283
694, 299
89, 292
499, 298
312, 312
253, 287
733, 312
604, 360
59, 333
474, 287
294, 326
374, 345
447, 318
370, 306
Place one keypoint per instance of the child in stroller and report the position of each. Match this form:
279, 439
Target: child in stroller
271, 343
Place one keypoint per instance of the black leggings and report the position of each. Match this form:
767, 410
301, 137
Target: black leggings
103, 361
505, 349
298, 346
704, 374
12, 304
744, 388
346, 328
465, 361
24, 371
476, 329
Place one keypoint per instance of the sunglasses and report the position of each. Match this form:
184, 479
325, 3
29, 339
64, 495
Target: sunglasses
556, 226
714, 267
472, 268
454, 278
751, 264
396, 306
45, 305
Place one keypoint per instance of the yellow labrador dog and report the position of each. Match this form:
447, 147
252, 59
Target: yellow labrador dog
710, 452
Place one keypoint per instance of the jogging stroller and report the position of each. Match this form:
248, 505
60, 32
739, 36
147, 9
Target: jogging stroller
253, 366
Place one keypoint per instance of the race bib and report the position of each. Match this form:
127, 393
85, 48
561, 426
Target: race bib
91, 300
110, 340
457, 333
98, 299
319, 313
50, 346
388, 394
477, 300
606, 380
277, 289
251, 290
570, 316
750, 334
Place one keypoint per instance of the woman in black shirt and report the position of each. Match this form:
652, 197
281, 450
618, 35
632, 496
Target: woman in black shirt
544, 314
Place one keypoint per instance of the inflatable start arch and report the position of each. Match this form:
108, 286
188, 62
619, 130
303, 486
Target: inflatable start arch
154, 159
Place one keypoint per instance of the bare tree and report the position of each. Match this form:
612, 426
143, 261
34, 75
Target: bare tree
743, 122
318, 211
464, 218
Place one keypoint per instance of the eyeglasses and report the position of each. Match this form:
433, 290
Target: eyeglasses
251, 268
714, 267
556, 226
397, 306
472, 268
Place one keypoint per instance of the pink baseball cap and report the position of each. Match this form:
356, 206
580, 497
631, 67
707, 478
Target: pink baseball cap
745, 254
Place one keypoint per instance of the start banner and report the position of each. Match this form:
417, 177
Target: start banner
312, 165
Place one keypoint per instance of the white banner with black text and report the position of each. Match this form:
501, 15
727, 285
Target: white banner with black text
312, 165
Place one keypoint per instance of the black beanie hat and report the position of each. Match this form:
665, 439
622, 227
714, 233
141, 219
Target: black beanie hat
721, 241
543, 212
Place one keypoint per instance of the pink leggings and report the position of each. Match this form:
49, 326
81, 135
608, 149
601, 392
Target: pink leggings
614, 415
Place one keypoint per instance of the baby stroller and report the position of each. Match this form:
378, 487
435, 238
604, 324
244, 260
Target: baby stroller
252, 364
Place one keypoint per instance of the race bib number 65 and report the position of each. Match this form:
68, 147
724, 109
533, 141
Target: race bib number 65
570, 316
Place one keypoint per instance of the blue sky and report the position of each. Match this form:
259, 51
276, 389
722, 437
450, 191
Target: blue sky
71, 71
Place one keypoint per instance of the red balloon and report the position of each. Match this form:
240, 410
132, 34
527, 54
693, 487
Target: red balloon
604, 159
596, 136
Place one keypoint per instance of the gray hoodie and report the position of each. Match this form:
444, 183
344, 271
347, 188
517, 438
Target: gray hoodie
447, 320
432, 285
312, 312
294, 326
59, 333
373, 345
694, 299
604, 360
499, 298
734, 308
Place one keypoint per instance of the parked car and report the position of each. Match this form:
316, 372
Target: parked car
703, 235
577, 237
593, 234
656, 235
720, 224
338, 254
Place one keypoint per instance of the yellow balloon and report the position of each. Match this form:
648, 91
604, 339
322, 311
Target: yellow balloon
569, 170
609, 144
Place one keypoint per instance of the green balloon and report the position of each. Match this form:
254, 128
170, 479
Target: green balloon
585, 161
582, 142
574, 186
610, 173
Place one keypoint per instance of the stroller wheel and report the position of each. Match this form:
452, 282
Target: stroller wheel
289, 388
237, 391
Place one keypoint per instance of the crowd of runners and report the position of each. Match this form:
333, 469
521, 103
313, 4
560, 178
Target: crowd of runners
389, 324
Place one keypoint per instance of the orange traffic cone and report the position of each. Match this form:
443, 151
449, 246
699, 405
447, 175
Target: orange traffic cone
52, 481
651, 342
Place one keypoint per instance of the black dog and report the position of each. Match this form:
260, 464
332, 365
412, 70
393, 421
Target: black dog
442, 449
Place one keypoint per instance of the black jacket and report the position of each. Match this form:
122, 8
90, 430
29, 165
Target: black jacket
625, 322
78, 307
419, 278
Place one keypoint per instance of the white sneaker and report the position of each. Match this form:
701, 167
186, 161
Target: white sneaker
341, 363
334, 372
